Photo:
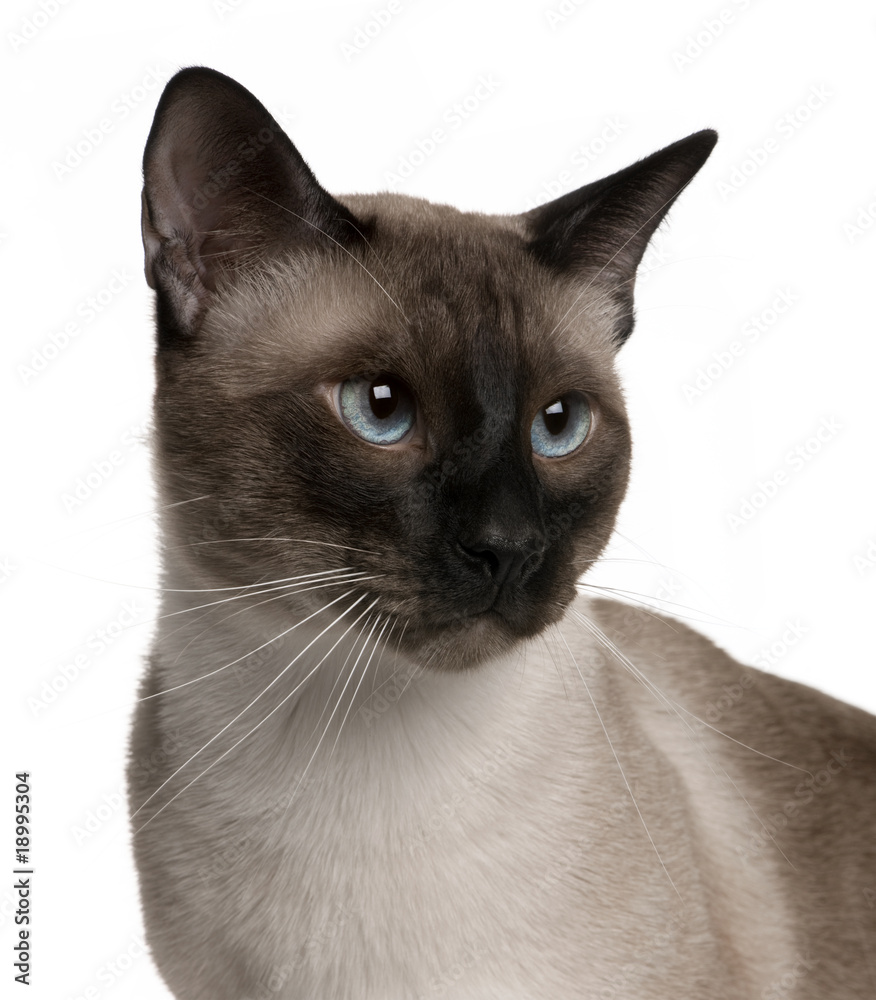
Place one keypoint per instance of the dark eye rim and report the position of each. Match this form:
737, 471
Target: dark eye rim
592, 411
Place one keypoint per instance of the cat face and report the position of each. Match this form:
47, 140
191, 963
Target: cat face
423, 397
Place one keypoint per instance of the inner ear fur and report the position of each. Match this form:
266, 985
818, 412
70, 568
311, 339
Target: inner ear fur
224, 188
600, 231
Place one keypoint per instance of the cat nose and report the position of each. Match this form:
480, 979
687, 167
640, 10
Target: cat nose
506, 558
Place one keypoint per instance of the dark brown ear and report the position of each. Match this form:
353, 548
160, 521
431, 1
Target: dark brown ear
601, 231
224, 189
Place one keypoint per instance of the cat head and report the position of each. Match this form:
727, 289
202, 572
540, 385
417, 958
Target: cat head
422, 397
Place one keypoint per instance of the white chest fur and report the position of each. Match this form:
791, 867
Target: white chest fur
467, 835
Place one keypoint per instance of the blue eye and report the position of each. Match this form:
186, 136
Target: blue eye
380, 410
561, 426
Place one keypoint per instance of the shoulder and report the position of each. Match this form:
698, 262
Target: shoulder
741, 700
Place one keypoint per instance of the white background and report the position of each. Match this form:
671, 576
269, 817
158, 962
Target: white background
580, 90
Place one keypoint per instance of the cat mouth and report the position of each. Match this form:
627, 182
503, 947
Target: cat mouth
485, 631
469, 620
462, 644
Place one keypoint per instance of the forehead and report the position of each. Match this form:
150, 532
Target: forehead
450, 301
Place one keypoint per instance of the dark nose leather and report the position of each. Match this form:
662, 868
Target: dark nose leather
506, 558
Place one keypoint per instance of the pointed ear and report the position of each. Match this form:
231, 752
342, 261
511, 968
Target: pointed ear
224, 189
600, 232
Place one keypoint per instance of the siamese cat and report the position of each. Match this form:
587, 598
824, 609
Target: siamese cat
406, 758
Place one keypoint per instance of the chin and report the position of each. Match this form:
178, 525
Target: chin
473, 640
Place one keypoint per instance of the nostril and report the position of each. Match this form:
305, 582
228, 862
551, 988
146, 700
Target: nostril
492, 559
505, 558
500, 562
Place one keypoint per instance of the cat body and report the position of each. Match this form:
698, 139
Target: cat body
407, 758
474, 837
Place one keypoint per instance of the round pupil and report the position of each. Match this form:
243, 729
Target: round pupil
383, 397
556, 416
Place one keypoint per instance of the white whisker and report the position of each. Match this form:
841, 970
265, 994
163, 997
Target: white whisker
595, 631
277, 538
611, 259
245, 656
260, 583
132, 517
645, 599
258, 696
356, 576
324, 233
667, 702
620, 767
334, 710
280, 594
245, 736
339, 673
362, 678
